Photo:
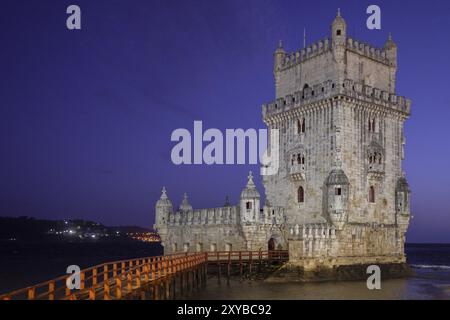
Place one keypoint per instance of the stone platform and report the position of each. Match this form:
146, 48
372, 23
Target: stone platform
294, 273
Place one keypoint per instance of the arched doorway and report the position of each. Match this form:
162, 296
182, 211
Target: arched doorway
271, 244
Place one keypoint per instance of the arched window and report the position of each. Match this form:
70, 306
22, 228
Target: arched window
300, 195
372, 194
300, 159
301, 125
372, 125
376, 158
248, 205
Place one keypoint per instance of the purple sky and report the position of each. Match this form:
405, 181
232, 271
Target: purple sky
86, 116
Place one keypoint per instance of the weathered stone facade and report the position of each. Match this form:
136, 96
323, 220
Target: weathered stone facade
340, 196
242, 227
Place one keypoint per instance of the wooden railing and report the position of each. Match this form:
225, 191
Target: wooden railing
160, 276
247, 256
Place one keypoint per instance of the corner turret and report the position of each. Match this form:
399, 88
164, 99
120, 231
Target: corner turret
163, 209
390, 47
337, 186
250, 201
402, 193
338, 45
279, 57
338, 30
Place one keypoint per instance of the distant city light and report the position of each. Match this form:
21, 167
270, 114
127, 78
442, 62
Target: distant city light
145, 236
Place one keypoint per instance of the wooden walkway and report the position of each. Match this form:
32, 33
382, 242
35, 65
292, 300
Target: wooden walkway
152, 278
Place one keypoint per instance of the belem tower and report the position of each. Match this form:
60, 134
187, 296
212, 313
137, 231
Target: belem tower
340, 197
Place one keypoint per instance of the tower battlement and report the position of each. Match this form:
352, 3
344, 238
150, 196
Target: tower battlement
329, 89
336, 58
322, 46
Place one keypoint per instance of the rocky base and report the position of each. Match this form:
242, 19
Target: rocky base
293, 273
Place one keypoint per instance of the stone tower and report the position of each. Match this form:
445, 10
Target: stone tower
249, 204
339, 197
341, 148
163, 210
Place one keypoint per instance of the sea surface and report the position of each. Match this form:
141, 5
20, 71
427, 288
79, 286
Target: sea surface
24, 264
430, 263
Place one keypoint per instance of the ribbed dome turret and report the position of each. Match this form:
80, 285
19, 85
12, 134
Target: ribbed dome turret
280, 48
164, 200
337, 177
250, 190
402, 185
339, 21
279, 56
185, 206
390, 44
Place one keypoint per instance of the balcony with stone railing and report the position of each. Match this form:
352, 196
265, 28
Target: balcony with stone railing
297, 171
312, 231
375, 170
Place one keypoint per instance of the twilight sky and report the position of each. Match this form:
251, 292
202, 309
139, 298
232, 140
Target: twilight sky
86, 116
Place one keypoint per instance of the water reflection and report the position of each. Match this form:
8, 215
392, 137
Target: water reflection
413, 288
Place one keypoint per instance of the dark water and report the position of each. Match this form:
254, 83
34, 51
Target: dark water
431, 264
24, 264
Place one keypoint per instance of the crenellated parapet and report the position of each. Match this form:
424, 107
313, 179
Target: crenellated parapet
329, 89
367, 50
210, 216
229, 215
294, 58
246, 212
322, 46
